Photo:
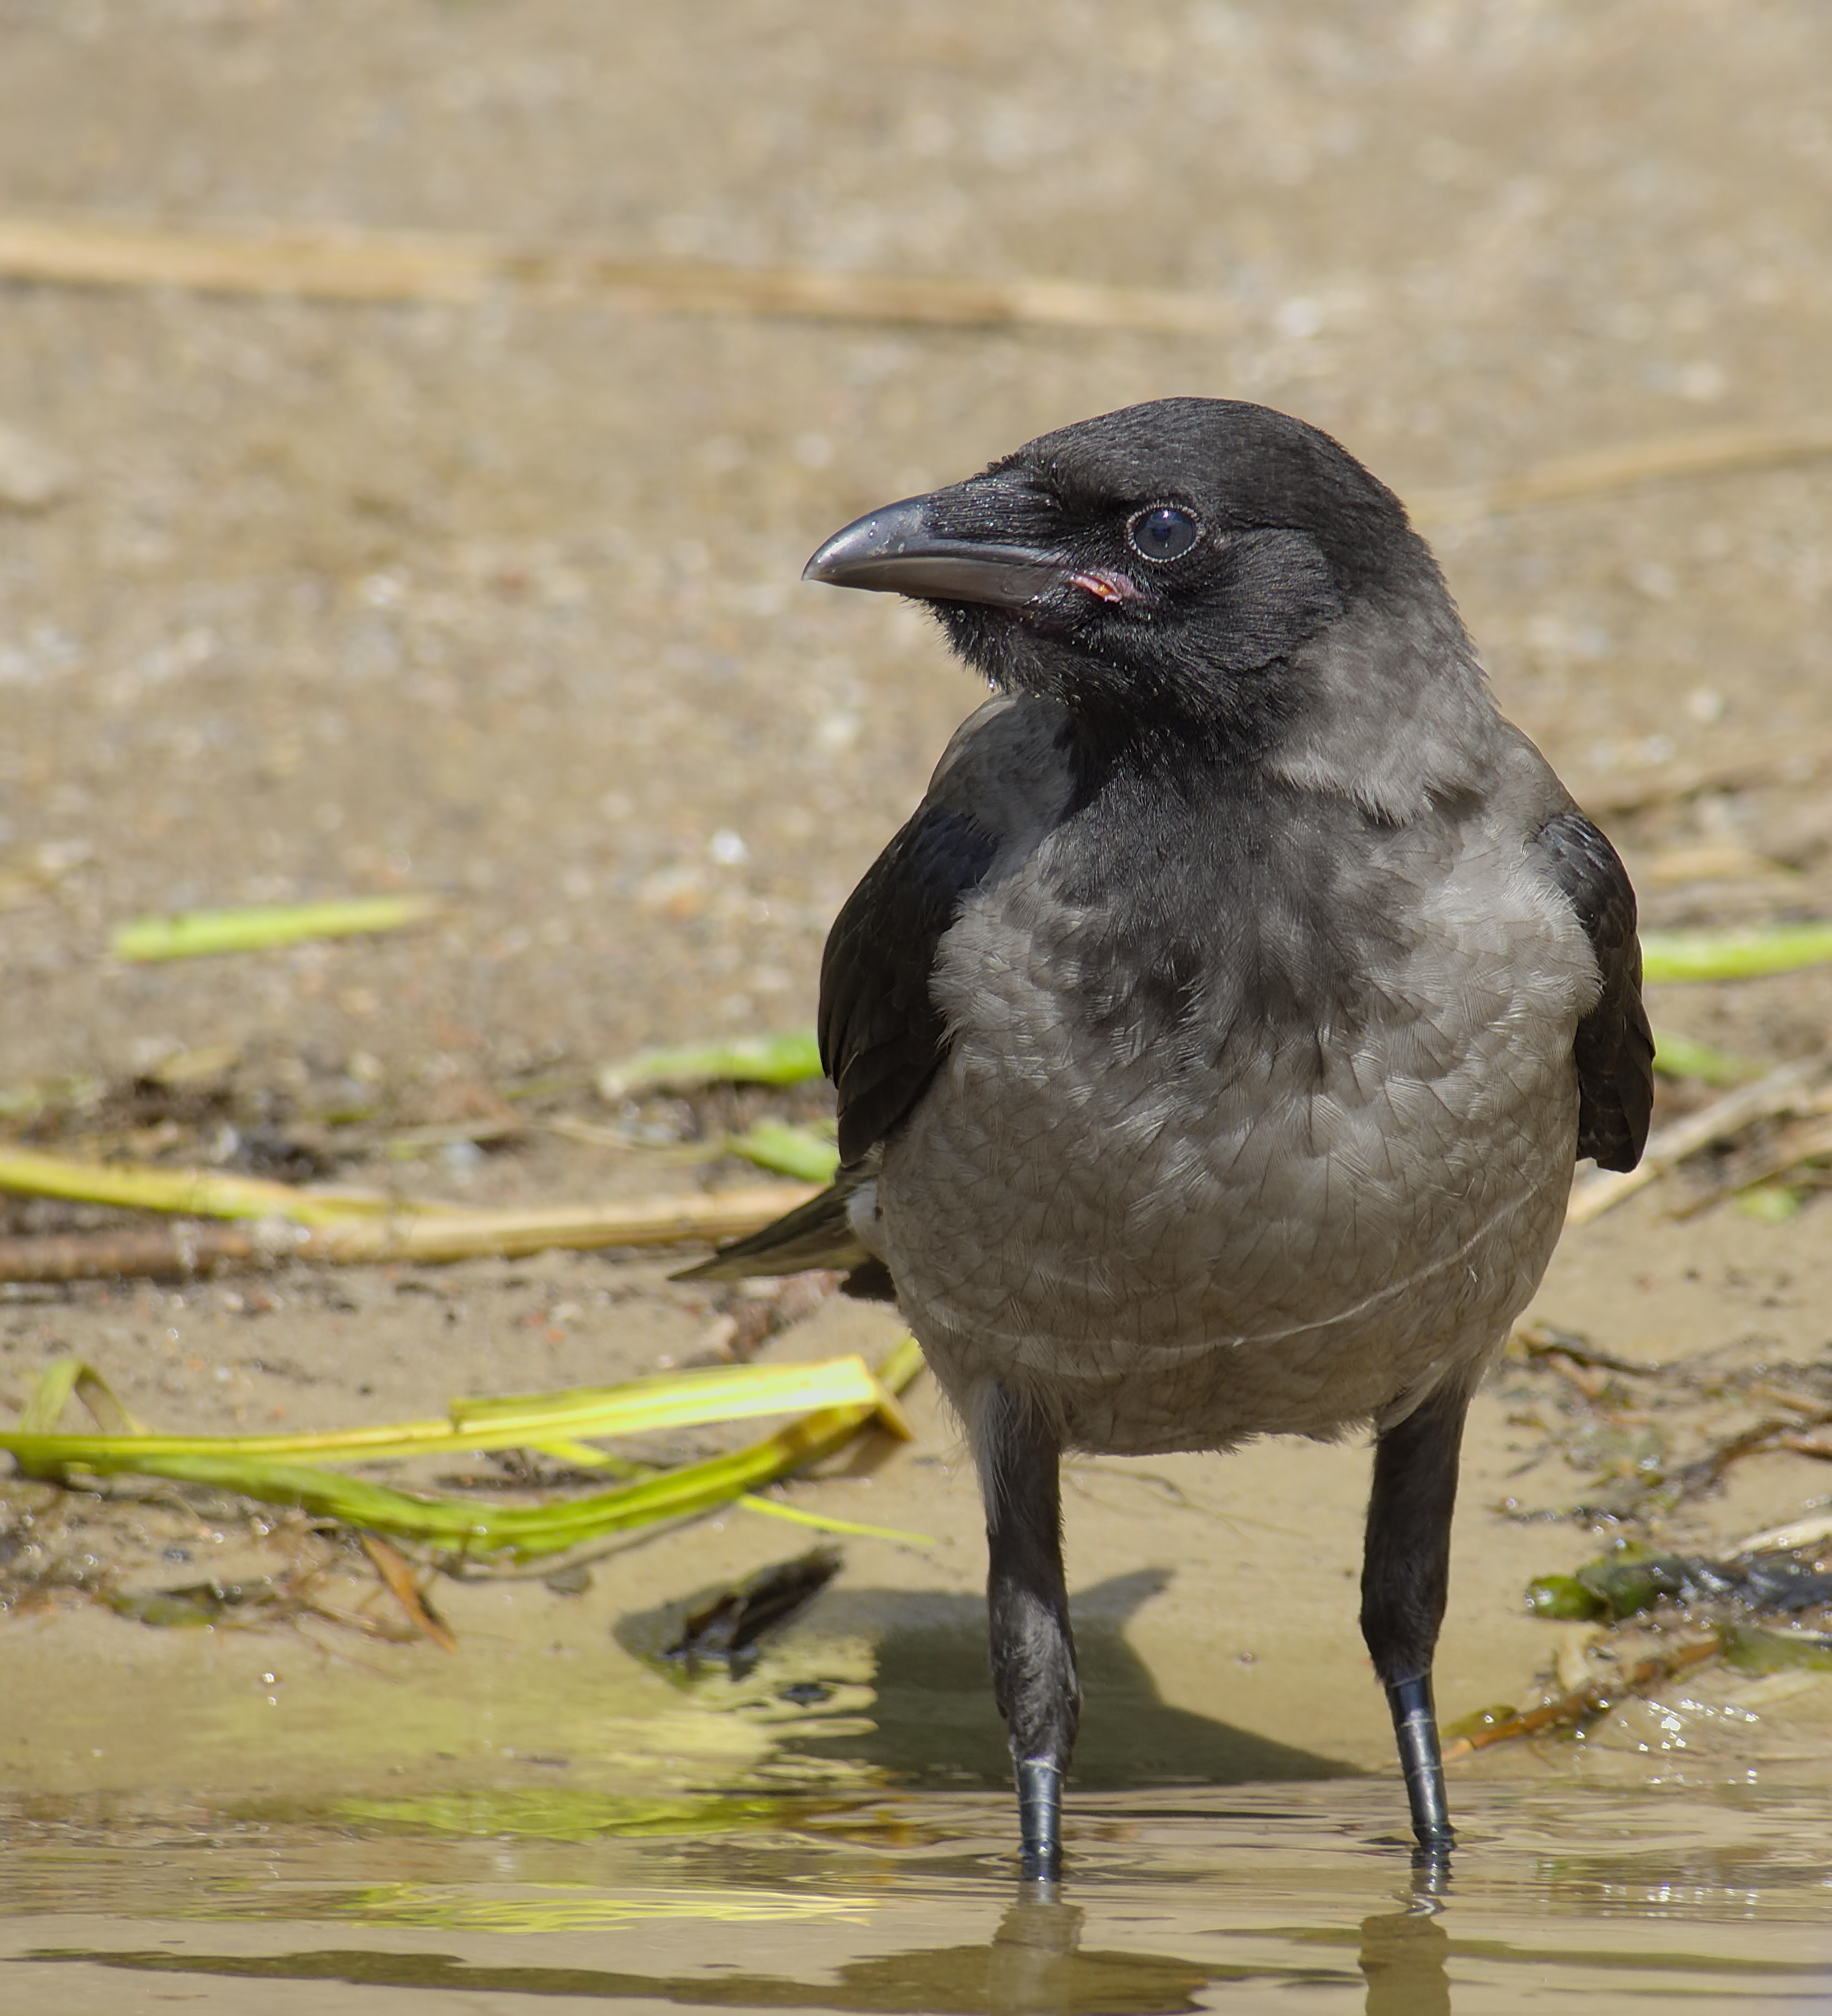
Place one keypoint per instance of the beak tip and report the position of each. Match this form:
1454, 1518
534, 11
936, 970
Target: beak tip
854, 557
896, 550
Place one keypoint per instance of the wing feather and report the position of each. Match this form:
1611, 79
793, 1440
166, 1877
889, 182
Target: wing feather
881, 1034
1614, 1047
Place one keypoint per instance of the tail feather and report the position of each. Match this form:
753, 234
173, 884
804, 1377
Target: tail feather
815, 1234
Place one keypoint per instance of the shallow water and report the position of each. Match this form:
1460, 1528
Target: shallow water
1296, 1897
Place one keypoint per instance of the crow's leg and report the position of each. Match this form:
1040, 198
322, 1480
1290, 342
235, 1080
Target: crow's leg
1033, 1649
1405, 1573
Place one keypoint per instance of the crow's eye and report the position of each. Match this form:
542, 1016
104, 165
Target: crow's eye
1163, 532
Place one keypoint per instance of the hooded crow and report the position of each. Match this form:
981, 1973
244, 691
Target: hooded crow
1215, 1043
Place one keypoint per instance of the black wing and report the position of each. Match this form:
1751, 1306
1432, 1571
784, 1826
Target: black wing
881, 1034
1614, 1046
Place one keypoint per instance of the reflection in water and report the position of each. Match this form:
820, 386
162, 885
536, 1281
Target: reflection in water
1033, 1953
1402, 1960
899, 1906
1013, 1977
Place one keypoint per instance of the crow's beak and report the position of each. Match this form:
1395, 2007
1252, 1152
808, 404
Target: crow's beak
898, 552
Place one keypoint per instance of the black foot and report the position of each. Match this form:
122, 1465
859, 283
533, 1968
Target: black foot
1039, 1820
1415, 1727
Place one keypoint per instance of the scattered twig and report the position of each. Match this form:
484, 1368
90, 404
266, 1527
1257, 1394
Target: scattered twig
1807, 1141
180, 1252
346, 1228
1540, 1340
67, 1379
785, 1060
1815, 1440
787, 1151
1735, 955
545, 1421
452, 1235
1803, 1533
184, 1252
596, 1134
189, 1192
1589, 1380
1707, 452
196, 933
403, 1142
1794, 759
1674, 867
399, 1580
848, 1396
1582, 1703
1793, 1090
1704, 1473
346, 264
1815, 1404
184, 1067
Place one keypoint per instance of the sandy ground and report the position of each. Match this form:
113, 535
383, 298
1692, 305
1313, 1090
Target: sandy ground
499, 600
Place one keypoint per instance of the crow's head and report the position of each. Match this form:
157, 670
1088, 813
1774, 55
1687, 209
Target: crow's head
1159, 570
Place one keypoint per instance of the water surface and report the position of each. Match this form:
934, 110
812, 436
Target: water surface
1294, 1898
